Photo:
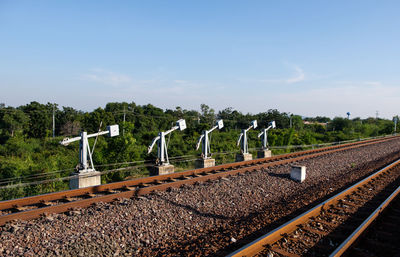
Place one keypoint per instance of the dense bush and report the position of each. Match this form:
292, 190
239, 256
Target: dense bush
27, 148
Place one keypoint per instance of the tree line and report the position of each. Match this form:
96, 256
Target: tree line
28, 150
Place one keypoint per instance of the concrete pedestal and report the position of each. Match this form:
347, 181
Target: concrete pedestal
298, 173
204, 163
264, 154
162, 169
244, 157
85, 179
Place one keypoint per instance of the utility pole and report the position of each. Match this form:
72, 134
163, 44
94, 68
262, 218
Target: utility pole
123, 130
377, 114
54, 122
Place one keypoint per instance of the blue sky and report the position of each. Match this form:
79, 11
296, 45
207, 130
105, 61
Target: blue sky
305, 57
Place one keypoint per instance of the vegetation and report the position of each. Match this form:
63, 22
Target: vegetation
29, 153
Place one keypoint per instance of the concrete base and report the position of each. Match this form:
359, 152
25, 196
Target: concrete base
204, 163
162, 169
85, 179
298, 173
244, 157
264, 154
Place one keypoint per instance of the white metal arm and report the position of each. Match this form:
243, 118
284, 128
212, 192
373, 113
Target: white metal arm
162, 153
264, 130
150, 148
199, 142
84, 148
240, 137
212, 129
206, 141
171, 130
243, 137
264, 135
67, 141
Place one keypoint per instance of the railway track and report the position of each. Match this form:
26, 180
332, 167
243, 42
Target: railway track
379, 234
32, 207
330, 228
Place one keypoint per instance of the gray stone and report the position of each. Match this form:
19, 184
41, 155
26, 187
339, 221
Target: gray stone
298, 173
85, 179
204, 163
264, 154
162, 169
244, 157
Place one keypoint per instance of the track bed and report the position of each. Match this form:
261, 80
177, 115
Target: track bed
209, 218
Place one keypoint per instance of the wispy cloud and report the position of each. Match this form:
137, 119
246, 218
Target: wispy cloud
358, 83
298, 76
180, 81
106, 77
362, 98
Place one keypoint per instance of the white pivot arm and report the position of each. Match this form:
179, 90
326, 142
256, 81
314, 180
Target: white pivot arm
249, 128
84, 149
172, 129
162, 154
67, 141
243, 137
206, 141
264, 134
240, 138
150, 148
212, 129
199, 142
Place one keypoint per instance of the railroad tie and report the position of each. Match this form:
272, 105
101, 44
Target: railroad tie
20, 208
128, 188
326, 223
44, 203
283, 252
68, 199
315, 231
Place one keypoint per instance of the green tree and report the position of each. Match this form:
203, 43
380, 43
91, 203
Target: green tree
207, 114
68, 121
13, 120
40, 119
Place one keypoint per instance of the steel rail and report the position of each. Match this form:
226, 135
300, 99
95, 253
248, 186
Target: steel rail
343, 247
255, 247
277, 160
32, 207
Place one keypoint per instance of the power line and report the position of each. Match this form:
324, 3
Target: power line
63, 178
177, 159
54, 122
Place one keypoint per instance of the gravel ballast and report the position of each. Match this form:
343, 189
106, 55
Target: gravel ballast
210, 218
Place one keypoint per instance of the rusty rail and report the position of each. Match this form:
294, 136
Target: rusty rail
267, 241
342, 248
32, 207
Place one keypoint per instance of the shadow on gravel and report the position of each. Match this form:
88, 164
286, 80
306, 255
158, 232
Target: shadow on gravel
195, 211
250, 220
217, 241
382, 246
279, 175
